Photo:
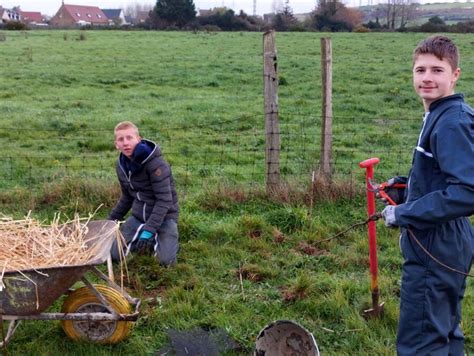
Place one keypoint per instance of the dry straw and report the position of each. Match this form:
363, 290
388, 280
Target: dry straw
29, 244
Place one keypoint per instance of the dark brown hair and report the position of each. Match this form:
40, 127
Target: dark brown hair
440, 46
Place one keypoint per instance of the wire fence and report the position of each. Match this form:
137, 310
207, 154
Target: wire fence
211, 153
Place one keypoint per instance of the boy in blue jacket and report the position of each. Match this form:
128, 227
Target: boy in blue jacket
148, 190
434, 217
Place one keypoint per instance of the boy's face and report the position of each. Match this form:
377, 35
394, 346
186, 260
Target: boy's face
433, 78
126, 140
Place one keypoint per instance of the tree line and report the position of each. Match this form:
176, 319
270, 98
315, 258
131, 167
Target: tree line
327, 16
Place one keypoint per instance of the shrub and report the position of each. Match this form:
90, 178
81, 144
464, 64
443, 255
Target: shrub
211, 28
361, 29
16, 26
464, 27
431, 27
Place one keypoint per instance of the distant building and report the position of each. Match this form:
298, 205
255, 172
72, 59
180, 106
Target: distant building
116, 17
78, 15
7, 15
33, 18
268, 18
214, 11
303, 17
204, 12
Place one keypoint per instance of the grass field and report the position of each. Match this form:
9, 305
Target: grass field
246, 259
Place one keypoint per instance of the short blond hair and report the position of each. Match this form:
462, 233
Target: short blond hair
125, 125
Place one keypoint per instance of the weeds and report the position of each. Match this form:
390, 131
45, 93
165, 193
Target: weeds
253, 227
253, 273
81, 37
288, 219
65, 194
71, 194
299, 290
28, 54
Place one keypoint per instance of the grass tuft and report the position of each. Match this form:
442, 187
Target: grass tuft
254, 272
278, 236
71, 194
252, 226
300, 289
310, 250
288, 219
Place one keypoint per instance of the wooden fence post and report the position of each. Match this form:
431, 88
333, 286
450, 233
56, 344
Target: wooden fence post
272, 130
326, 126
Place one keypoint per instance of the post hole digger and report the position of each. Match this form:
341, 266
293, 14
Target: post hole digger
391, 193
368, 165
382, 191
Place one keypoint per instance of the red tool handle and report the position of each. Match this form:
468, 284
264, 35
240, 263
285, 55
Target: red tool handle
369, 175
385, 196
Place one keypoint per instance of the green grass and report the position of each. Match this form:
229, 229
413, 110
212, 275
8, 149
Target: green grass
246, 259
200, 96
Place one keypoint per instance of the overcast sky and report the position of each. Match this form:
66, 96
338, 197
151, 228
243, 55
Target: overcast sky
49, 7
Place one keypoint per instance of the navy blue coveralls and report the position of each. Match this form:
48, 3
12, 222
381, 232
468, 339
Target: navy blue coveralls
440, 197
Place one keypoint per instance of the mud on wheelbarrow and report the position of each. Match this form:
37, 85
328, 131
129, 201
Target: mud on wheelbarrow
95, 312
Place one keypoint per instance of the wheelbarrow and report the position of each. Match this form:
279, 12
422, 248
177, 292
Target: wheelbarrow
94, 312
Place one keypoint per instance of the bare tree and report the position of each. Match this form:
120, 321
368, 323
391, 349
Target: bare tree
133, 9
407, 13
277, 6
397, 12
284, 18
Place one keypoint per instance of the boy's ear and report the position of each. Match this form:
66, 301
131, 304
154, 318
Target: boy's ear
457, 73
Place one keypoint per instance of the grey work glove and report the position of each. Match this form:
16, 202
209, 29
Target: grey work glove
388, 216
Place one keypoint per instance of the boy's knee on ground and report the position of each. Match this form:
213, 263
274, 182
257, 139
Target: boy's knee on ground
167, 244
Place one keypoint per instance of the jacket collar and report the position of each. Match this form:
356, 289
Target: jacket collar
141, 154
439, 102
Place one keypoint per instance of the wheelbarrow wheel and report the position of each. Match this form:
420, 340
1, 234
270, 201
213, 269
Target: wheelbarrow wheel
82, 300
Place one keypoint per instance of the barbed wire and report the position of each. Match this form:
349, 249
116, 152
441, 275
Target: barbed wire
200, 152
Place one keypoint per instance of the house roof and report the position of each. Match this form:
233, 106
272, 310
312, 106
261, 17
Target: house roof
90, 14
32, 16
112, 13
11, 14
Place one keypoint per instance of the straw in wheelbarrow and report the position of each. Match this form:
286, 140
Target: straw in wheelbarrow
29, 244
